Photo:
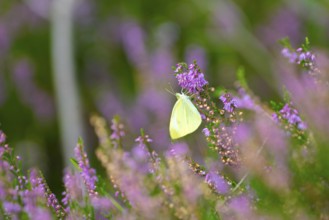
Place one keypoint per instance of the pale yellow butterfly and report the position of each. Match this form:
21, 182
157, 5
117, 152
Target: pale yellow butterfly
185, 118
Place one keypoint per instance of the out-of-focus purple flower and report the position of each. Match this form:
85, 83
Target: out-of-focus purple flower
151, 108
228, 18
133, 187
101, 203
142, 159
2, 138
217, 182
191, 79
117, 130
244, 101
39, 187
11, 208
132, 37
84, 13
87, 173
307, 57
138, 159
178, 150
283, 22
33, 96
32, 198
195, 52
292, 56
162, 58
142, 140
109, 105
206, 132
292, 116
73, 190
230, 103
300, 56
275, 117
240, 205
41, 8
40, 214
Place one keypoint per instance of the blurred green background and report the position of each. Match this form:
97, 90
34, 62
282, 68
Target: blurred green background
123, 52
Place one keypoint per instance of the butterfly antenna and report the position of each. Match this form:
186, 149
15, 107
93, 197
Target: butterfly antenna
169, 91
172, 90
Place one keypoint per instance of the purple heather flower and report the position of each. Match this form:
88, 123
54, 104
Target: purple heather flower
37, 99
143, 139
32, 199
11, 208
218, 182
292, 116
230, 103
137, 159
195, 52
240, 205
246, 102
40, 214
178, 150
73, 190
306, 58
102, 204
2, 137
179, 68
206, 132
191, 79
141, 158
117, 130
132, 37
275, 117
283, 22
87, 173
292, 56
40, 188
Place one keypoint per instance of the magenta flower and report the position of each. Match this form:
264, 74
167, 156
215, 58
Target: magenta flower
230, 103
217, 182
206, 132
191, 79
292, 116
87, 173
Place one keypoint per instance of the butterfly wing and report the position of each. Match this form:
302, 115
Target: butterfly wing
185, 118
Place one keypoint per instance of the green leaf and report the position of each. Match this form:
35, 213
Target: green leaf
306, 45
219, 91
285, 42
75, 163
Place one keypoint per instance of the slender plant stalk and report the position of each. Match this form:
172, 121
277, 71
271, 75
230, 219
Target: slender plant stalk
67, 98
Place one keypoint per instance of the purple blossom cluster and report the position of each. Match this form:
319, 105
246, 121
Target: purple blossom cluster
73, 189
191, 79
218, 183
291, 115
20, 194
117, 131
300, 56
230, 103
88, 174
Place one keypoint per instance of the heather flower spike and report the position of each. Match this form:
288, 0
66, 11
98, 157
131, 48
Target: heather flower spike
88, 174
190, 78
